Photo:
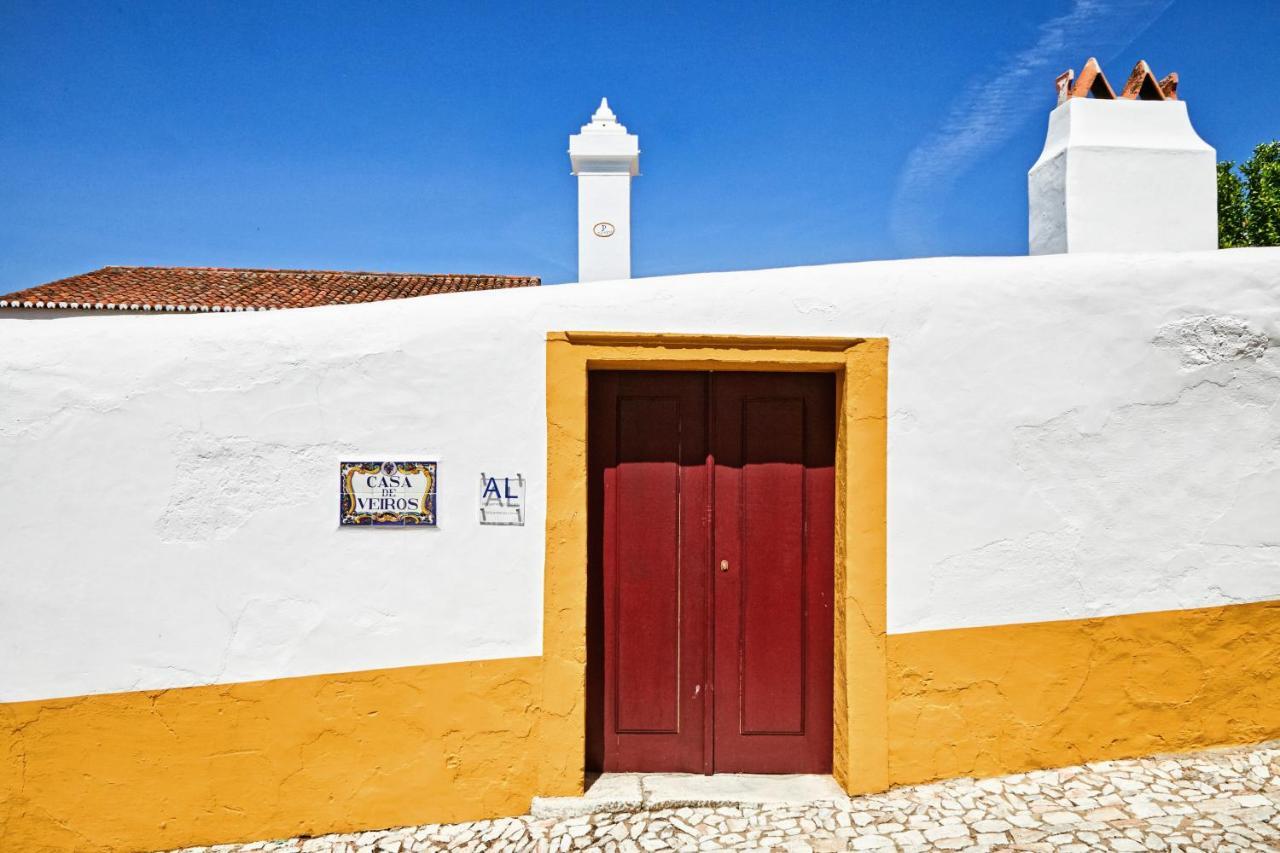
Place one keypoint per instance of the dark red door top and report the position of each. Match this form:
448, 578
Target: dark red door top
710, 584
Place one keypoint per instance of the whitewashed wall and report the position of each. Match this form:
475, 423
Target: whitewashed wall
1070, 436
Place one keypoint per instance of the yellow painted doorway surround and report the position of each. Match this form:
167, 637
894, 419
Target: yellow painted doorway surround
860, 761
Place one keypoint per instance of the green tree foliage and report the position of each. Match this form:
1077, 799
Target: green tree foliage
1231, 208
1249, 207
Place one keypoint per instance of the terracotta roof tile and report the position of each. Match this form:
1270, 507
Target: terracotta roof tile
202, 289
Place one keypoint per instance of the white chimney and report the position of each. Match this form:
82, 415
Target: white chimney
1122, 173
604, 157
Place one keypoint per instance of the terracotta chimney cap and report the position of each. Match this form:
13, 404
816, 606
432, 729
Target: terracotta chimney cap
1142, 84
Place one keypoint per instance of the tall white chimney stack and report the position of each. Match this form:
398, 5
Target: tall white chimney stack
1122, 173
604, 157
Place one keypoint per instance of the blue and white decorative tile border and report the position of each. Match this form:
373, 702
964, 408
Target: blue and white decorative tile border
388, 494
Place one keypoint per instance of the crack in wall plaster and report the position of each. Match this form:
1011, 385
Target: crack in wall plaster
814, 306
904, 420
1211, 339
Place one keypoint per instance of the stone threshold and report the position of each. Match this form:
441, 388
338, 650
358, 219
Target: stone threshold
636, 792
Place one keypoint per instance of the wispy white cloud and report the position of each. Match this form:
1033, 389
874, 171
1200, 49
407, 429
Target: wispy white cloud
1001, 99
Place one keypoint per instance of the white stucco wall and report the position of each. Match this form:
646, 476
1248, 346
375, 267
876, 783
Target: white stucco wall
1069, 436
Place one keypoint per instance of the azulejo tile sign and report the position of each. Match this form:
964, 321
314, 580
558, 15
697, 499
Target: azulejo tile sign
399, 494
501, 498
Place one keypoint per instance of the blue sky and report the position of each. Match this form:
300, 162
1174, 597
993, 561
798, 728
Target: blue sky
431, 137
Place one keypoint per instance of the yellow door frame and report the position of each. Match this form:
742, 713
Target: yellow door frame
860, 753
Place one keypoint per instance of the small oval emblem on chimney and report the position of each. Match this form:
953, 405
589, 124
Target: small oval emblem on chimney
602, 229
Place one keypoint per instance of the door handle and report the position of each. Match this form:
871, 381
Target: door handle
724, 565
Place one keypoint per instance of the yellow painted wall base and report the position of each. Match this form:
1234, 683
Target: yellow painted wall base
331, 753
999, 700
270, 759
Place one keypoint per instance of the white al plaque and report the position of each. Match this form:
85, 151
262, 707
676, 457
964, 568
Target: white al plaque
501, 498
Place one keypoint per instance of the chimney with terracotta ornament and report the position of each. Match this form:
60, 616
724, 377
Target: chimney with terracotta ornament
1122, 172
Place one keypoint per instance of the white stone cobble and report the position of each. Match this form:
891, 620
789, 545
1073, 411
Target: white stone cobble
1209, 801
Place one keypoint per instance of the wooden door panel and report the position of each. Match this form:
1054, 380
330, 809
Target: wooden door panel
647, 571
770, 567
693, 669
773, 442
649, 476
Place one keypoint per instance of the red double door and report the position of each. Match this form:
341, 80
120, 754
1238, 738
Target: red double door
710, 600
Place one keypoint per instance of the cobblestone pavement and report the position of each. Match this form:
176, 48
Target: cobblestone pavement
1218, 800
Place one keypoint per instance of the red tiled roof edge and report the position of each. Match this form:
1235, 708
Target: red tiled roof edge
223, 289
